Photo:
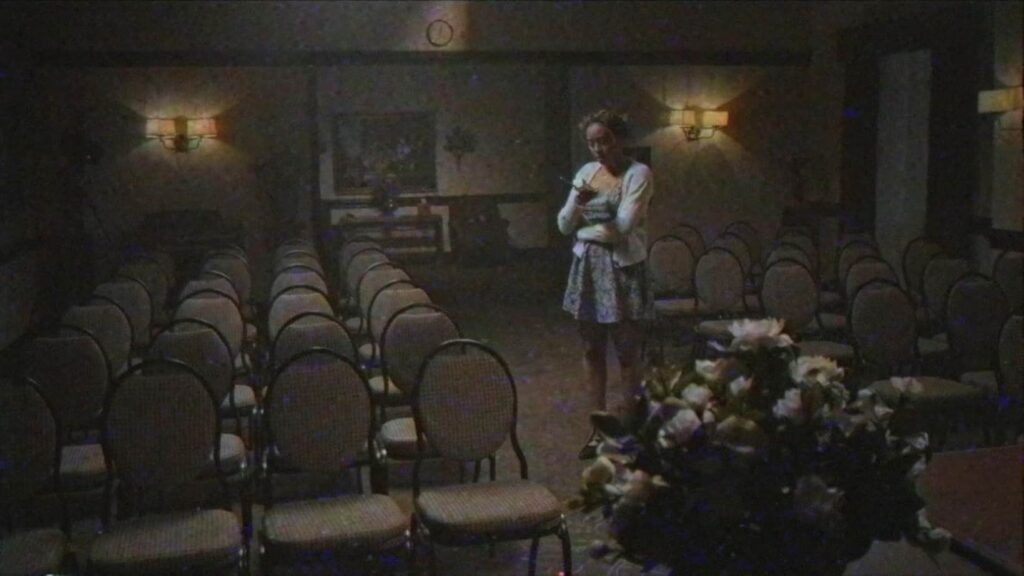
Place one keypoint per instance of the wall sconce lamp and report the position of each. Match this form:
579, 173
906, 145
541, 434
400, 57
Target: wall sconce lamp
1000, 100
699, 124
181, 134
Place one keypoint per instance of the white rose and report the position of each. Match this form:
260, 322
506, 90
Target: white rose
814, 370
740, 386
754, 334
740, 435
710, 370
697, 396
639, 487
790, 406
600, 472
679, 429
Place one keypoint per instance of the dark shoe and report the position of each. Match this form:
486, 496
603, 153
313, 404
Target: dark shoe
589, 450
607, 424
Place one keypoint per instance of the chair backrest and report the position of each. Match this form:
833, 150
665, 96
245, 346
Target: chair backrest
299, 258
199, 344
311, 330
389, 300
883, 324
789, 292
751, 237
297, 275
235, 268
412, 333
718, 280
736, 244
209, 280
294, 301
1008, 271
670, 266
916, 255
850, 253
358, 266
29, 444
938, 276
976, 310
804, 242
352, 248
318, 416
693, 238
284, 251
786, 250
160, 426
465, 404
72, 373
152, 276
376, 277
864, 270
1011, 361
134, 299
217, 308
109, 323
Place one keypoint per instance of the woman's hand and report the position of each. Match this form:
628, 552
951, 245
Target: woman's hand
584, 193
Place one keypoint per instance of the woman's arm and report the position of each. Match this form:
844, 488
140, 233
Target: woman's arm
632, 210
570, 215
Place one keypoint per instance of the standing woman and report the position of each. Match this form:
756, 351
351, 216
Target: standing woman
607, 290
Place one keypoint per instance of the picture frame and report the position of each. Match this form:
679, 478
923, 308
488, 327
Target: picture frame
393, 148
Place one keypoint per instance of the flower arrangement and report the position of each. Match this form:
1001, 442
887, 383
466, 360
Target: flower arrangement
760, 462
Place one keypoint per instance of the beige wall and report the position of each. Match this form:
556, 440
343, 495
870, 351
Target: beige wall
256, 173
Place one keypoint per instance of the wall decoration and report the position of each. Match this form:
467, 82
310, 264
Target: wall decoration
397, 147
458, 143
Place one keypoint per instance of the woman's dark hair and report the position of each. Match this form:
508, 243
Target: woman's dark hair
610, 119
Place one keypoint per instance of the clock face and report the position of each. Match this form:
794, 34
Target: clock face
440, 33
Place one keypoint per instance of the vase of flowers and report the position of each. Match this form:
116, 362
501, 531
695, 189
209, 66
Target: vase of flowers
760, 462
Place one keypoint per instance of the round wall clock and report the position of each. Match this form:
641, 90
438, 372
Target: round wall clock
440, 33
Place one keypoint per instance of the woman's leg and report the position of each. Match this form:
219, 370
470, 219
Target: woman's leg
595, 344
628, 337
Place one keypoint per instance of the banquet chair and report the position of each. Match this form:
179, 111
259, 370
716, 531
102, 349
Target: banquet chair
848, 254
158, 530
692, 236
311, 330
218, 308
1003, 382
296, 275
884, 331
719, 296
937, 278
72, 373
303, 258
465, 403
789, 291
916, 255
30, 451
357, 266
670, 273
236, 268
108, 323
319, 422
293, 301
976, 310
410, 336
392, 297
865, 269
210, 280
1008, 271
376, 277
751, 239
150, 274
134, 298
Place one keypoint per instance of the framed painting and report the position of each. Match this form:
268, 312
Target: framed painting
396, 148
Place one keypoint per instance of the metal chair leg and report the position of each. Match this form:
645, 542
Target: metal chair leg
534, 544
563, 535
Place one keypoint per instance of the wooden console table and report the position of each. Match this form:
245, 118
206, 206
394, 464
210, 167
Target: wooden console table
399, 235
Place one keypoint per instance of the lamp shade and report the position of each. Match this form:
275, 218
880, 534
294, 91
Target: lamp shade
160, 127
714, 119
683, 118
202, 127
1000, 100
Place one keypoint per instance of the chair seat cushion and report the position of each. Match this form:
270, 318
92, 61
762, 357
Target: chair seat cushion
488, 508
32, 553
983, 380
354, 325
934, 346
841, 353
244, 397
232, 454
370, 521
393, 396
936, 394
398, 437
671, 307
367, 352
82, 467
166, 543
